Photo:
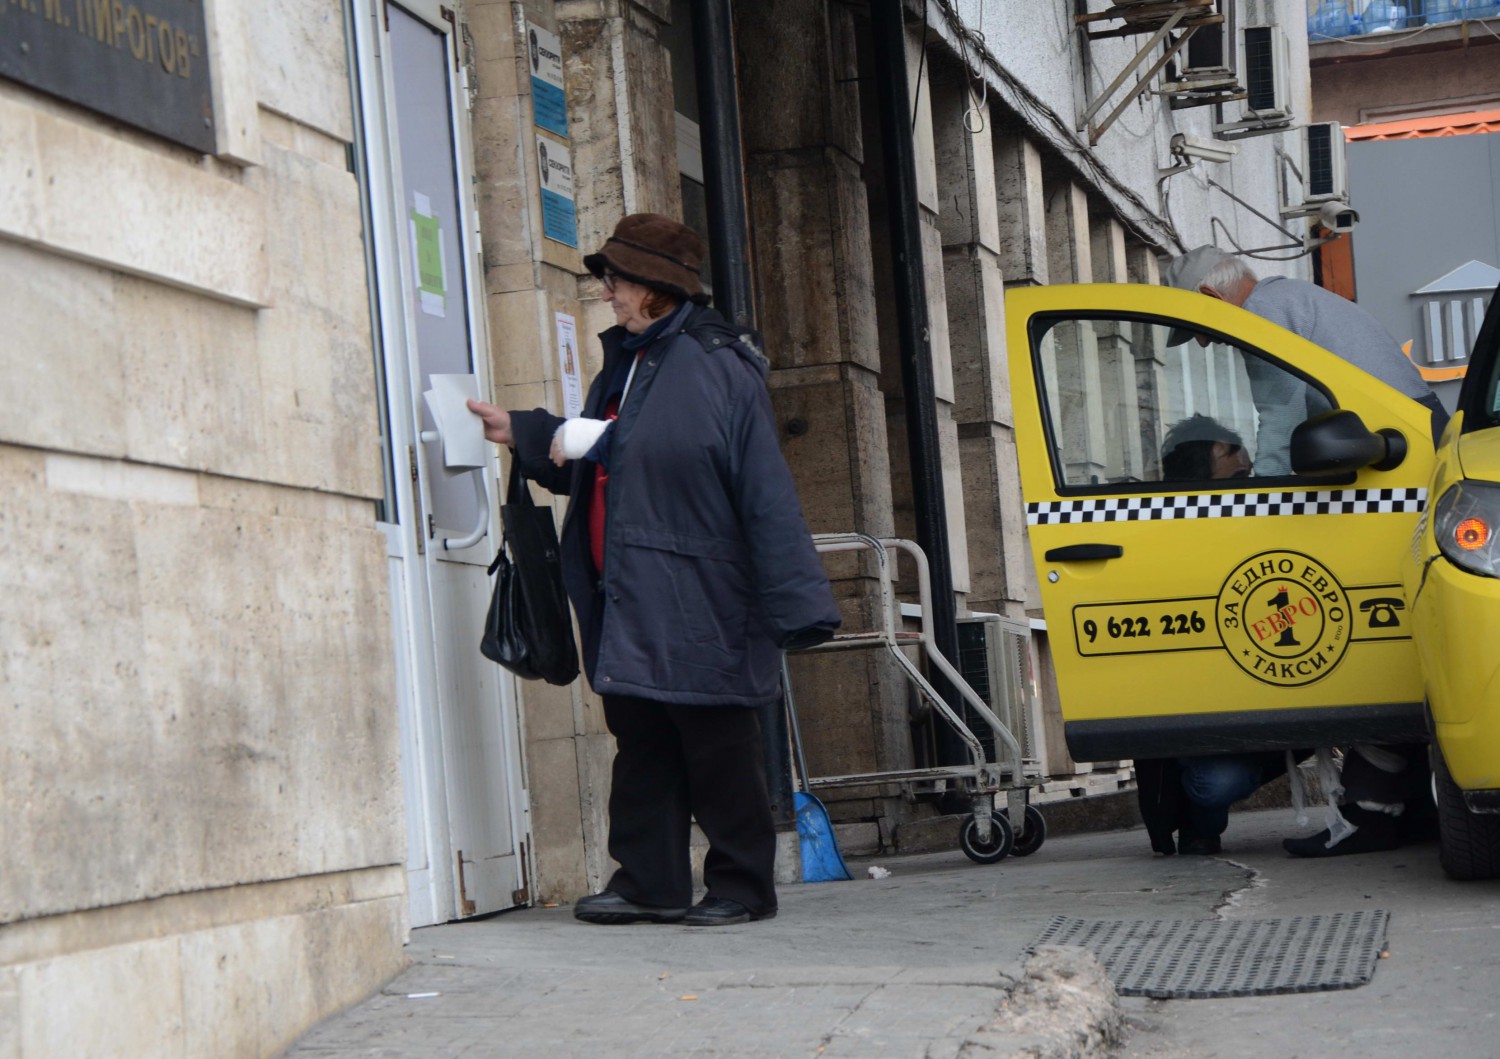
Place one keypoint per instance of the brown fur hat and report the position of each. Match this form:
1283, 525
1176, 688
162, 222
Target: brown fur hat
654, 251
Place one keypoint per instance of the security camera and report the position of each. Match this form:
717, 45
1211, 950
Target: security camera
1196, 147
1337, 216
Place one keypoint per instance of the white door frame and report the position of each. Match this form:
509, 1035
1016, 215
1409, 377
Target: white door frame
419, 617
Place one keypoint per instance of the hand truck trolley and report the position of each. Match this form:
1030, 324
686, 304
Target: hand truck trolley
987, 835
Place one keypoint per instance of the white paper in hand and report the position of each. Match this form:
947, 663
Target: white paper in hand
464, 447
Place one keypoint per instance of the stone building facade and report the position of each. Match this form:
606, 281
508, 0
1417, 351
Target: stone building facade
244, 588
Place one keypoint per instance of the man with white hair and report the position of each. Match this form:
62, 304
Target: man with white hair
1322, 317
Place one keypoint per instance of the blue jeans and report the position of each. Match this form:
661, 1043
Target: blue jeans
1213, 784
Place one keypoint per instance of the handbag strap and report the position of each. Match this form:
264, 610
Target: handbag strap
516, 491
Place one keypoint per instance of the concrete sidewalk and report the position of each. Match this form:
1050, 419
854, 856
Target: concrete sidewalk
928, 962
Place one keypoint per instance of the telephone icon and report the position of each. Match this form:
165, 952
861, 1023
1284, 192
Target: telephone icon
1382, 611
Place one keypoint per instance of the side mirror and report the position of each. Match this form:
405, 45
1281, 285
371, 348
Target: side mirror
1338, 442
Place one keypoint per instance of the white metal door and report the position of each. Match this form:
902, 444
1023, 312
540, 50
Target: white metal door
460, 749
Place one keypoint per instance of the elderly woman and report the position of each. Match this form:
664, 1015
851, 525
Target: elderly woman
690, 569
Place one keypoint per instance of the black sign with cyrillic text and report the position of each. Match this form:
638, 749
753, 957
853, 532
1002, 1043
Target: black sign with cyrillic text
144, 62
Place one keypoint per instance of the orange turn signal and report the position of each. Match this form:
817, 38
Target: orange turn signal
1471, 533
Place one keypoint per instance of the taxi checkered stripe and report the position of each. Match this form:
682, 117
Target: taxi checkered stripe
1226, 505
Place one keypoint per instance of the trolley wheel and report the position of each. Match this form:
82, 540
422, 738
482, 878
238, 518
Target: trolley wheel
1001, 839
1033, 833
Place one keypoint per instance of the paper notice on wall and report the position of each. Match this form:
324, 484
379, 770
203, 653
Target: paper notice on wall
559, 213
427, 252
570, 360
549, 107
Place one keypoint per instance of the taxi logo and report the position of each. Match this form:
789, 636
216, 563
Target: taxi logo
1284, 618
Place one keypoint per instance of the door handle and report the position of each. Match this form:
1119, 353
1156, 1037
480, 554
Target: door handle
458, 543
1072, 553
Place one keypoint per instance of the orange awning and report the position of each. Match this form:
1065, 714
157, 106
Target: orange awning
1473, 121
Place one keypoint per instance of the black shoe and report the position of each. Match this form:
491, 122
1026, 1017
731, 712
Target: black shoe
1377, 833
722, 912
1162, 842
1198, 845
610, 907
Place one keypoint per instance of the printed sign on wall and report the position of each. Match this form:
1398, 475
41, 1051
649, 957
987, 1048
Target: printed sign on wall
549, 105
559, 212
568, 360
427, 251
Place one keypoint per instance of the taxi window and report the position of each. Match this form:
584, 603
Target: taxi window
1131, 400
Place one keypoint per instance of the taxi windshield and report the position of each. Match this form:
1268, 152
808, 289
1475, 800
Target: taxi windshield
1481, 404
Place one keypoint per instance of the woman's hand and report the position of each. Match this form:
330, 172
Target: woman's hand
496, 422
558, 456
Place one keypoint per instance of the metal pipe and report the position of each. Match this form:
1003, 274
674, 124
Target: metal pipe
729, 262
723, 161
888, 29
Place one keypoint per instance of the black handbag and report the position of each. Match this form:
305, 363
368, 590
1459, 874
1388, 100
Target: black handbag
529, 629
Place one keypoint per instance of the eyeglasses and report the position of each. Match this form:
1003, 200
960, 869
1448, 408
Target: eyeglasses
608, 279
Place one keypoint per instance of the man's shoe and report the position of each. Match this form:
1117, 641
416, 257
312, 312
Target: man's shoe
1198, 845
610, 907
722, 912
1377, 833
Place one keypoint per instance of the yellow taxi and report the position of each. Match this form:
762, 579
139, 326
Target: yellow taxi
1290, 588
1452, 584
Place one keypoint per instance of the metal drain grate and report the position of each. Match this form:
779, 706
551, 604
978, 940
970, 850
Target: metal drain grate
1194, 958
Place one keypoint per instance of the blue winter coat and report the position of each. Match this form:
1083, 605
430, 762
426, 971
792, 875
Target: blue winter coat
709, 570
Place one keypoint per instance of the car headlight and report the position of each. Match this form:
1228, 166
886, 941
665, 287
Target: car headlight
1465, 522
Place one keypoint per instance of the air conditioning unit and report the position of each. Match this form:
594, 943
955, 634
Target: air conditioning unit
994, 657
1324, 175
1206, 56
1264, 71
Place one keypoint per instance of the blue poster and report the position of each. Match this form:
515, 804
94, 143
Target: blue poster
559, 212
549, 105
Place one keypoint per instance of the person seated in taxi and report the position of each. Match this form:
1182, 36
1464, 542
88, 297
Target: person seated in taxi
1185, 801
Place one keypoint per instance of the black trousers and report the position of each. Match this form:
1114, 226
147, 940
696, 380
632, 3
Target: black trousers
674, 764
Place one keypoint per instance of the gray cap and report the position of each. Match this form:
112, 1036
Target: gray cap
1186, 273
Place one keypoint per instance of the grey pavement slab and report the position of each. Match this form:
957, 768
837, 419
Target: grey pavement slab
927, 962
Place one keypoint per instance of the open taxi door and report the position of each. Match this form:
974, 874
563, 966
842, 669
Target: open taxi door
1200, 595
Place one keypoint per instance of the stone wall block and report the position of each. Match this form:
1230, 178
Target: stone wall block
937, 311
593, 126
68, 819
813, 272
505, 192
968, 210
10, 1013
645, 74
782, 112
819, 458
133, 999
557, 812
1021, 209
1107, 250
919, 101
976, 315
301, 66
954, 500
189, 367
52, 197
59, 393
995, 521
316, 364
333, 627
232, 685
